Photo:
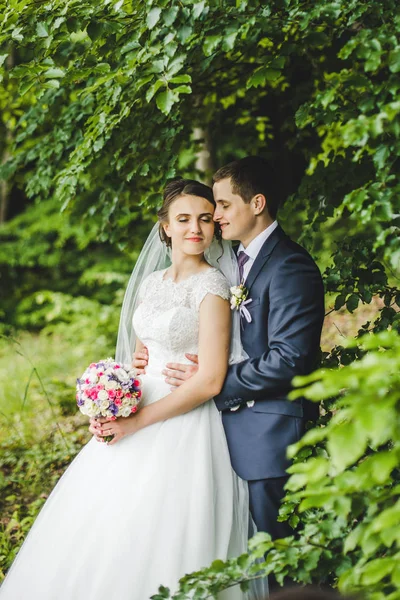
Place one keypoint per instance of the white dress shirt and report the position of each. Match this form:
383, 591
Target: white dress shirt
255, 246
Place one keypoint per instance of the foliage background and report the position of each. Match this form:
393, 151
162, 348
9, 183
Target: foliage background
100, 104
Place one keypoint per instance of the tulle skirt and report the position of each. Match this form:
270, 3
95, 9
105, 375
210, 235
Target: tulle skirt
124, 519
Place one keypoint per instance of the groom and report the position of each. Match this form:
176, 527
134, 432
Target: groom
281, 337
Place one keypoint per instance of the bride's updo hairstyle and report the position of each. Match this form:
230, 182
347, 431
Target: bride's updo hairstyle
174, 190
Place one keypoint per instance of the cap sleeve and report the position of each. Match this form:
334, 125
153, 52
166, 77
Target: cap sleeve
214, 283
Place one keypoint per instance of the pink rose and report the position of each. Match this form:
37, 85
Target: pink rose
119, 393
133, 409
118, 402
128, 395
111, 394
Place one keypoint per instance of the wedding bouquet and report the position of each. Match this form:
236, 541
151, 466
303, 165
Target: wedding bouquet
108, 389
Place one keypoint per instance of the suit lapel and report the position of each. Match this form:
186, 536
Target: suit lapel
264, 255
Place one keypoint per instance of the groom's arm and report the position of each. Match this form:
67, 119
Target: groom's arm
296, 313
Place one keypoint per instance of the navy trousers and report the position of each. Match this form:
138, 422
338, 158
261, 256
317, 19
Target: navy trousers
265, 498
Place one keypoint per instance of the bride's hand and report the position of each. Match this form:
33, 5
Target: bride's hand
119, 428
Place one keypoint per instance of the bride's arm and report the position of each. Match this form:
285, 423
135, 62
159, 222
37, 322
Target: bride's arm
214, 341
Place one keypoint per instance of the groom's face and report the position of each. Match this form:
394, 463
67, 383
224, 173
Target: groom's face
235, 217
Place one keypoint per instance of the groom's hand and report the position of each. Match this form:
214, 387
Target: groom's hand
140, 361
176, 374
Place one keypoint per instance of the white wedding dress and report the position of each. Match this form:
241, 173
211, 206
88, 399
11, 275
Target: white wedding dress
164, 502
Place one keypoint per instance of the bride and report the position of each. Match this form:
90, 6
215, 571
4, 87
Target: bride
161, 499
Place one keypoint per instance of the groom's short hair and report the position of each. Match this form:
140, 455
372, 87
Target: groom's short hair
251, 176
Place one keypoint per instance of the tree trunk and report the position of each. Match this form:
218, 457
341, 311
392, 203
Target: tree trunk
204, 161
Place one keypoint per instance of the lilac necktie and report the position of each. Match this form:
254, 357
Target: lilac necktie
242, 259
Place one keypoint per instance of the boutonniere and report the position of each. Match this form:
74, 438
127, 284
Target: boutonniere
239, 300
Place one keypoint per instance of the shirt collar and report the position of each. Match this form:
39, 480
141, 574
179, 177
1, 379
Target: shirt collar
255, 245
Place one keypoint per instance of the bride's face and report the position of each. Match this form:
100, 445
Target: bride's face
190, 224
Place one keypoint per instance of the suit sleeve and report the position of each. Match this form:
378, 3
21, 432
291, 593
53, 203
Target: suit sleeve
295, 317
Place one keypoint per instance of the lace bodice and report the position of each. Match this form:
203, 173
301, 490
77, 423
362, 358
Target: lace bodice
167, 318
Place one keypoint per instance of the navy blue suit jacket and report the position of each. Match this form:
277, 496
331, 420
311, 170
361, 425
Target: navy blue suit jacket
282, 340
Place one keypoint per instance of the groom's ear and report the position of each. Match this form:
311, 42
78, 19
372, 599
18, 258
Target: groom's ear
259, 203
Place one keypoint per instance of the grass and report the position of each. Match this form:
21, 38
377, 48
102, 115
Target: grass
40, 428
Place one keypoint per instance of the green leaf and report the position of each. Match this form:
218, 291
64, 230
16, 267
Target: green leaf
181, 79
165, 100
52, 83
352, 302
17, 35
26, 85
153, 89
42, 30
210, 44
95, 30
170, 15
376, 570
54, 72
183, 89
340, 301
262, 75
153, 17
198, 9
394, 60
2, 59
346, 444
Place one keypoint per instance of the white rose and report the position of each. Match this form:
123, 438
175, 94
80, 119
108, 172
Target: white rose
237, 291
109, 371
110, 385
102, 395
103, 379
104, 404
122, 375
90, 408
125, 411
93, 377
